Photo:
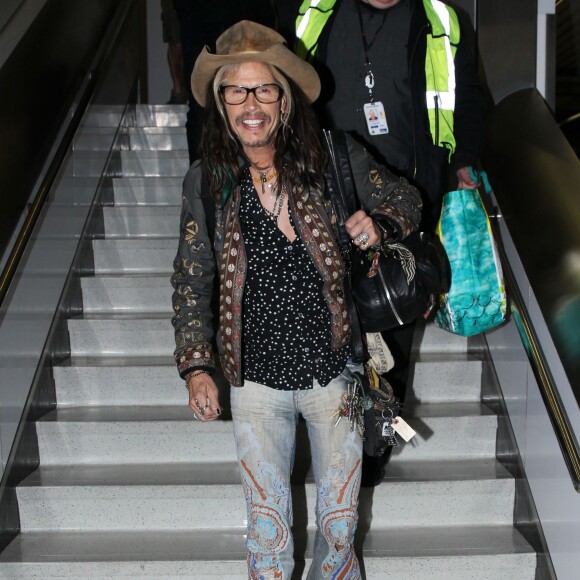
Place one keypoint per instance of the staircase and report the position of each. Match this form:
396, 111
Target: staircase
131, 487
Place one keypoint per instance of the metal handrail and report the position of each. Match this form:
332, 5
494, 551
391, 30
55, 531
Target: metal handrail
533, 168
93, 76
541, 369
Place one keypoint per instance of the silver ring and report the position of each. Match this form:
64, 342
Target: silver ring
362, 238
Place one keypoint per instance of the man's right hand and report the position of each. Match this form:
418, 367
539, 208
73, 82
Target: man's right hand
203, 397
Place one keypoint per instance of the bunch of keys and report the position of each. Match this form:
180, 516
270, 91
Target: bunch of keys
353, 407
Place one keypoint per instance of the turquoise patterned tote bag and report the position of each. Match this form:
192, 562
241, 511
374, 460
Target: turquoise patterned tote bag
476, 300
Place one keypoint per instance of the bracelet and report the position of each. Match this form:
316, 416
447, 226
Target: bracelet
195, 374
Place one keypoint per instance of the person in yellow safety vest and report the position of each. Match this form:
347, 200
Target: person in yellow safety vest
420, 70
400, 77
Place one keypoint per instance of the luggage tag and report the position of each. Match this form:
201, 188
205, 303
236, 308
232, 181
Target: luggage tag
375, 118
403, 429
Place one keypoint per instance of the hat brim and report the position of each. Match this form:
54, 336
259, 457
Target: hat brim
301, 72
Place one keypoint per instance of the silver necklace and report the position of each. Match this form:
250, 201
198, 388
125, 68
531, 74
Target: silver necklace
278, 205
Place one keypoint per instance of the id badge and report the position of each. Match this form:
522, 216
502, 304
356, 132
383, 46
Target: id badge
376, 118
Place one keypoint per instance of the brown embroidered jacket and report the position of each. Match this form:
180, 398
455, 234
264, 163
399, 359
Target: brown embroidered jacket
381, 193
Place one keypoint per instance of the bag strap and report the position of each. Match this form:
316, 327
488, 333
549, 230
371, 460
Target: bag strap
340, 182
342, 192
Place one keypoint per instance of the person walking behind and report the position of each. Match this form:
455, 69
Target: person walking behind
172, 37
409, 63
284, 331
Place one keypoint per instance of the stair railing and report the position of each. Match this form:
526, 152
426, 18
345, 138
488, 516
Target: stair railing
535, 174
85, 98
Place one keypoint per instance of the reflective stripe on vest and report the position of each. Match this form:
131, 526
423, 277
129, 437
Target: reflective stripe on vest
440, 72
312, 18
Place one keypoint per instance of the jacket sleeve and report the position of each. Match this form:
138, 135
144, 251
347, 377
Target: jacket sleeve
193, 280
389, 199
469, 108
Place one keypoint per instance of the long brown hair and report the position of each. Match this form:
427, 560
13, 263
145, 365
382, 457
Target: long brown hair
299, 156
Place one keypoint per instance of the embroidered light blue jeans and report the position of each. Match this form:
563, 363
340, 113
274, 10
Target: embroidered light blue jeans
264, 422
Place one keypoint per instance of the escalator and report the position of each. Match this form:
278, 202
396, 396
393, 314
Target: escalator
110, 477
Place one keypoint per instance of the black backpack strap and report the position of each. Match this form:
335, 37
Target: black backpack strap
208, 208
342, 192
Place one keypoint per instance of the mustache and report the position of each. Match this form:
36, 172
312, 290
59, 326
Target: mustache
257, 115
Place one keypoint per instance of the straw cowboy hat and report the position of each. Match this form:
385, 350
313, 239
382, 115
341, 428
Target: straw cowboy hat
250, 42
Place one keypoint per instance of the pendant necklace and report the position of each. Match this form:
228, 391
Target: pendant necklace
264, 179
278, 205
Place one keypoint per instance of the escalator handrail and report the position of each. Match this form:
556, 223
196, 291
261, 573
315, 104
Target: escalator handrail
98, 67
521, 136
541, 369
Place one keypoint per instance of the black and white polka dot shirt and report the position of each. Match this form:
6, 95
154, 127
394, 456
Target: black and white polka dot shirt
286, 322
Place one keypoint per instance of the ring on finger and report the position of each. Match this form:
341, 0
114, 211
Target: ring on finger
364, 246
362, 238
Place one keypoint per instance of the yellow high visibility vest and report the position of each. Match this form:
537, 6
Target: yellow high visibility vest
442, 44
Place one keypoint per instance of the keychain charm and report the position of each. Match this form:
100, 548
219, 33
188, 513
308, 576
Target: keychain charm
370, 80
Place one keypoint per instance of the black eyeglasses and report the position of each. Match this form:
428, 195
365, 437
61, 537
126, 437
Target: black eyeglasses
236, 94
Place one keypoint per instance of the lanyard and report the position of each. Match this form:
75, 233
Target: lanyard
369, 77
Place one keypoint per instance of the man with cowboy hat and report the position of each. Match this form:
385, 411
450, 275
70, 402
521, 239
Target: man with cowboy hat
256, 219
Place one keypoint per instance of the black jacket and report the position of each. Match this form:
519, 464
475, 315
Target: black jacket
429, 166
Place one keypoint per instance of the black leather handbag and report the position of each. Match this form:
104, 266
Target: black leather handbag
396, 283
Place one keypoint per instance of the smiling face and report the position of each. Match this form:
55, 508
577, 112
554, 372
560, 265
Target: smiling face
255, 124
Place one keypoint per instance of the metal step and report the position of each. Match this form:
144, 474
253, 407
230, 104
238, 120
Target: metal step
157, 139
430, 340
143, 116
434, 382
227, 472
133, 138
86, 164
154, 163
478, 553
177, 507
141, 222
143, 257
161, 386
121, 338
153, 191
119, 386
103, 116
95, 138
130, 435
78, 191
160, 115
126, 295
